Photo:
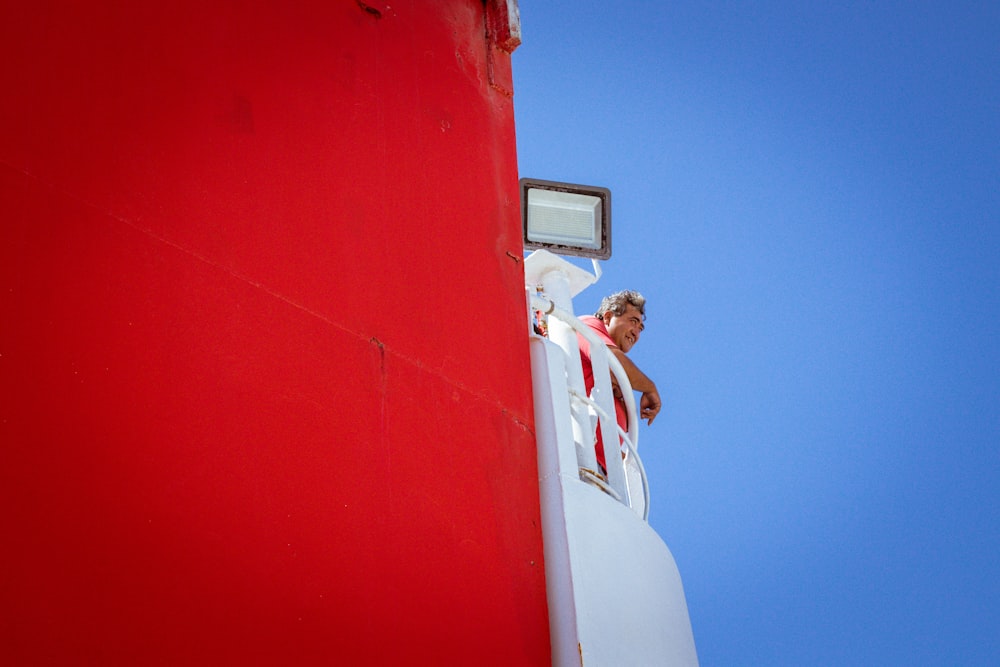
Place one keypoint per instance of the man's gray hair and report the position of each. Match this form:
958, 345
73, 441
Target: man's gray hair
619, 301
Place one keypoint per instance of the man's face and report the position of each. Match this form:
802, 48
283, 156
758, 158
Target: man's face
624, 329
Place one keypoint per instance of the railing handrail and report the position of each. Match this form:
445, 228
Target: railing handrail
630, 448
631, 437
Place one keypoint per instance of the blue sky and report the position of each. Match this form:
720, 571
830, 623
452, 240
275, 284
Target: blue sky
809, 197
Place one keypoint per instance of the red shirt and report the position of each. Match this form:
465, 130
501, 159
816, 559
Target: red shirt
588, 377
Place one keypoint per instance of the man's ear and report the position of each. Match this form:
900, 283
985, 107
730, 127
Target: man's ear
607, 317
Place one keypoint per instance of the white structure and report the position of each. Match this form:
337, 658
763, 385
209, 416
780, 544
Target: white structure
615, 595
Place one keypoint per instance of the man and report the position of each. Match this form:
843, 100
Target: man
618, 323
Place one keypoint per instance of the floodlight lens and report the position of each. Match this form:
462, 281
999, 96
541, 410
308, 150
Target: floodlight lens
564, 218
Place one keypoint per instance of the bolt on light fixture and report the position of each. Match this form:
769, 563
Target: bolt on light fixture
565, 218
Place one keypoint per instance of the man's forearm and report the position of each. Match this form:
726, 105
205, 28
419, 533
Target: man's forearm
639, 380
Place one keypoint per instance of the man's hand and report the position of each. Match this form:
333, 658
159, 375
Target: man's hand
649, 406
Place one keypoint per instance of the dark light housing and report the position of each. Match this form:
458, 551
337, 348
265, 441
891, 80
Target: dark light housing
566, 218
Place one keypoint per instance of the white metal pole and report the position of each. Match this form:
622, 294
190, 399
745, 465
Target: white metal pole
555, 282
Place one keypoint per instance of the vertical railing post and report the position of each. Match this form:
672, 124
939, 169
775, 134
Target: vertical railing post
556, 286
604, 397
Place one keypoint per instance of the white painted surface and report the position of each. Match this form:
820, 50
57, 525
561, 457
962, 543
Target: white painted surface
561, 281
615, 595
630, 605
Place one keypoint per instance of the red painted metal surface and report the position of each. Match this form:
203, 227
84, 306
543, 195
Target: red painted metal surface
264, 387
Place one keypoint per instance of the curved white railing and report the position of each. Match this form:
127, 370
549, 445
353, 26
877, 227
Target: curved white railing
601, 359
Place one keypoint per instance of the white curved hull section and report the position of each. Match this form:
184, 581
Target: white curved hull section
615, 594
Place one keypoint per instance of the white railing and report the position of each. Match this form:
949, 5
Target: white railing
626, 476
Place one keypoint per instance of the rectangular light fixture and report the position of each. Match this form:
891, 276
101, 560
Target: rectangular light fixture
565, 218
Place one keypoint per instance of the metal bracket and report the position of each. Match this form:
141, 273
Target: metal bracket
503, 35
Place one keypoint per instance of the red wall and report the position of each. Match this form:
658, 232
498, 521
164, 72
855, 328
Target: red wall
264, 388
